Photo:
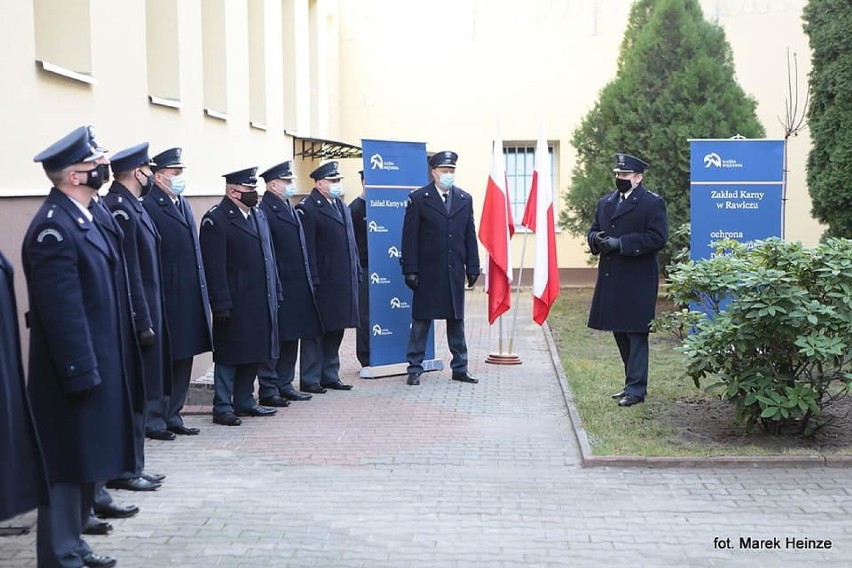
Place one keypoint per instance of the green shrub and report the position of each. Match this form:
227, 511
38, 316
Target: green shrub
770, 328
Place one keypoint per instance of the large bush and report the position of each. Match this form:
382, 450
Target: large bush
771, 328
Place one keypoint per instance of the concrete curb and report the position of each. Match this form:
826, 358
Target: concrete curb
588, 459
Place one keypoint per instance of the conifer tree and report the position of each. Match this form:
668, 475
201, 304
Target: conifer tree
675, 81
828, 24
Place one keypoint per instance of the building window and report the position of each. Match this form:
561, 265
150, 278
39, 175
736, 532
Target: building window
54, 52
161, 29
257, 63
520, 163
214, 58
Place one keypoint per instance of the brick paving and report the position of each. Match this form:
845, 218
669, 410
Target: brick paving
455, 475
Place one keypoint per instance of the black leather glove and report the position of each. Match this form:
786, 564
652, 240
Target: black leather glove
608, 244
412, 281
146, 337
222, 317
471, 279
596, 236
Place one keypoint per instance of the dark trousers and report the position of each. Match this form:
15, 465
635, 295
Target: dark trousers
417, 345
274, 376
233, 387
139, 434
181, 373
310, 361
362, 333
331, 341
59, 541
633, 348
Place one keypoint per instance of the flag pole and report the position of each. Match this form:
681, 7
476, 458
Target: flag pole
518, 296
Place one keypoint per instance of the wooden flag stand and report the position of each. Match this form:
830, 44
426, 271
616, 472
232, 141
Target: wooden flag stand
502, 358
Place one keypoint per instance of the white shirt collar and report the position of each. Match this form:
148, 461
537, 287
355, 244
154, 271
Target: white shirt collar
85, 211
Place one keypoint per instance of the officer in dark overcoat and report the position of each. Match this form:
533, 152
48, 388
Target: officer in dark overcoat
184, 283
244, 296
332, 250
81, 336
358, 212
298, 315
439, 250
23, 485
629, 230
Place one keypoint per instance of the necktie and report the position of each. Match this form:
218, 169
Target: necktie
446, 198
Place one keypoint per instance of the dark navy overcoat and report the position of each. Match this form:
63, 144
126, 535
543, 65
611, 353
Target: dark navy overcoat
298, 316
332, 250
142, 253
81, 336
23, 484
625, 295
242, 277
441, 248
184, 283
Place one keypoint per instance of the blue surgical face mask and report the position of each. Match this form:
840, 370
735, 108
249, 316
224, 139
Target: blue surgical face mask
335, 189
178, 184
290, 190
446, 181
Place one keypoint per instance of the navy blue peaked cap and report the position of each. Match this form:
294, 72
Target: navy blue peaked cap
445, 159
327, 170
73, 148
170, 158
284, 170
130, 158
247, 177
627, 163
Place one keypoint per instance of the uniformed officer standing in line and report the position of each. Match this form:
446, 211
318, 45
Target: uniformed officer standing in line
438, 250
629, 230
184, 283
244, 296
141, 244
23, 485
81, 335
331, 247
358, 212
297, 316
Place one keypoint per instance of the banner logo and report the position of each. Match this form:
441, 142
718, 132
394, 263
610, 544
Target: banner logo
714, 160
377, 162
376, 279
374, 227
379, 330
397, 304
393, 252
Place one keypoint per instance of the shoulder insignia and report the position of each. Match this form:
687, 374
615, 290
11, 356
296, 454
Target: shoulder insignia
319, 202
207, 221
121, 213
50, 214
161, 199
121, 199
82, 221
49, 233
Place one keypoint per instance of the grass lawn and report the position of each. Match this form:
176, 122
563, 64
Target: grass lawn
677, 419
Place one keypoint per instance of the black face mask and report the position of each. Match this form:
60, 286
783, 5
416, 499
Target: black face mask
103, 169
623, 185
248, 198
94, 178
149, 183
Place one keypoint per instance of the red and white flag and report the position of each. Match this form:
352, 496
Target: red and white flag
495, 230
538, 217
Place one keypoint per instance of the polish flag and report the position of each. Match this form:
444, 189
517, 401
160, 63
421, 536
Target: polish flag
538, 217
495, 230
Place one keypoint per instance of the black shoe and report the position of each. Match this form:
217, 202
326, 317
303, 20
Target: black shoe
338, 386
413, 379
184, 430
95, 526
465, 377
276, 401
227, 419
113, 511
153, 477
630, 400
619, 395
160, 435
292, 394
93, 560
133, 484
316, 389
256, 410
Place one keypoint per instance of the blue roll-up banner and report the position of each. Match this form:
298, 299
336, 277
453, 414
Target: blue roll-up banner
391, 171
735, 192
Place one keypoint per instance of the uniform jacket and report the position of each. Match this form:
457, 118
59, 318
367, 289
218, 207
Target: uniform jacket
81, 336
331, 249
184, 283
242, 277
441, 248
142, 253
298, 316
23, 485
626, 291
358, 211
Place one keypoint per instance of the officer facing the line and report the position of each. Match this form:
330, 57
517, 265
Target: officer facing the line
244, 296
439, 250
629, 230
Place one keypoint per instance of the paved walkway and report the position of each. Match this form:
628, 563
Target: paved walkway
454, 475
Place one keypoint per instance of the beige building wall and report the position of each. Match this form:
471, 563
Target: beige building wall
448, 73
